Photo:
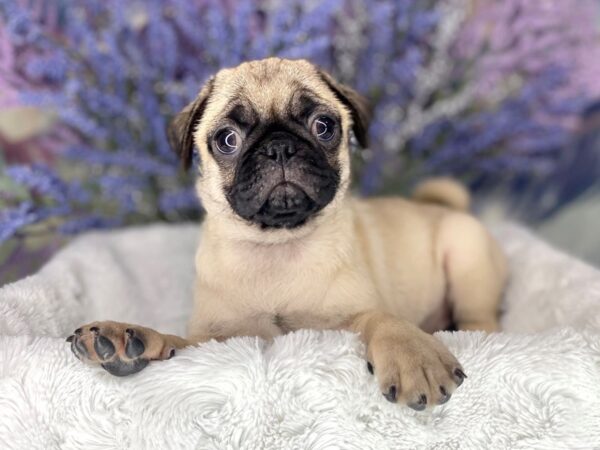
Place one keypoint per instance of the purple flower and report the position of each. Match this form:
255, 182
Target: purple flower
14, 219
181, 200
41, 179
492, 97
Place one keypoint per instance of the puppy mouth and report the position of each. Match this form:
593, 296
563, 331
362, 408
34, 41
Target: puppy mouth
286, 206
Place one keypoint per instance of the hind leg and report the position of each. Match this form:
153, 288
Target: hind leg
475, 271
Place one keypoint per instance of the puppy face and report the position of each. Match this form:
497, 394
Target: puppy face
273, 142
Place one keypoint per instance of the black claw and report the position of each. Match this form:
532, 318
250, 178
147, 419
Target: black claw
134, 347
445, 396
79, 348
77, 331
391, 394
460, 375
74, 350
94, 330
70, 338
104, 347
420, 405
171, 353
370, 367
121, 368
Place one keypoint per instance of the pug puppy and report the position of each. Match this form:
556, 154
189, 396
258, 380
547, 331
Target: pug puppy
285, 246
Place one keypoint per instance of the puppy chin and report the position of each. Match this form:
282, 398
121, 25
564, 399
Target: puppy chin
274, 236
287, 206
235, 227
230, 225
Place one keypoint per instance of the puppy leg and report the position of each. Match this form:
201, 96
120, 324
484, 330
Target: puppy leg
475, 272
123, 349
411, 366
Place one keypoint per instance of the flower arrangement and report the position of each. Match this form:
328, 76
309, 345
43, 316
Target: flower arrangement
491, 92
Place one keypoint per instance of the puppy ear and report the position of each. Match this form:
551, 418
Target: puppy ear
180, 131
359, 107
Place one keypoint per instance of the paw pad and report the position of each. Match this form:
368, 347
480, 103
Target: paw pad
134, 346
103, 346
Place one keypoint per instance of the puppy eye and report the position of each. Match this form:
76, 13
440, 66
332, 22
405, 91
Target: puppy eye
323, 128
228, 141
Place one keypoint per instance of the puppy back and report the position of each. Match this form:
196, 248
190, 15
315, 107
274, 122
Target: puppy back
443, 191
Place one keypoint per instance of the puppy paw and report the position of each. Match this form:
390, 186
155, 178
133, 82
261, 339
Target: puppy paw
413, 368
121, 349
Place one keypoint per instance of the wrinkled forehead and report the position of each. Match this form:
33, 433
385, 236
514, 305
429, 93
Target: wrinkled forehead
269, 89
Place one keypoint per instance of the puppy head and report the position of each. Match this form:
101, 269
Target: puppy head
273, 141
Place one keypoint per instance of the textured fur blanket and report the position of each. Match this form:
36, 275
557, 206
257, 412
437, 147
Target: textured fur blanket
537, 385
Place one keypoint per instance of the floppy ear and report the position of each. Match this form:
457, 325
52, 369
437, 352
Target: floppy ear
181, 129
358, 105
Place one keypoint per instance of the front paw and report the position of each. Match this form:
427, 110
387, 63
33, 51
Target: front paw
119, 348
413, 367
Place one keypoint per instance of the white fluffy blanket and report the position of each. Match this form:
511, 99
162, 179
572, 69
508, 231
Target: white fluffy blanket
535, 386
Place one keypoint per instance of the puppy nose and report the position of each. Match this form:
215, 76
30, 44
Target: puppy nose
280, 149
